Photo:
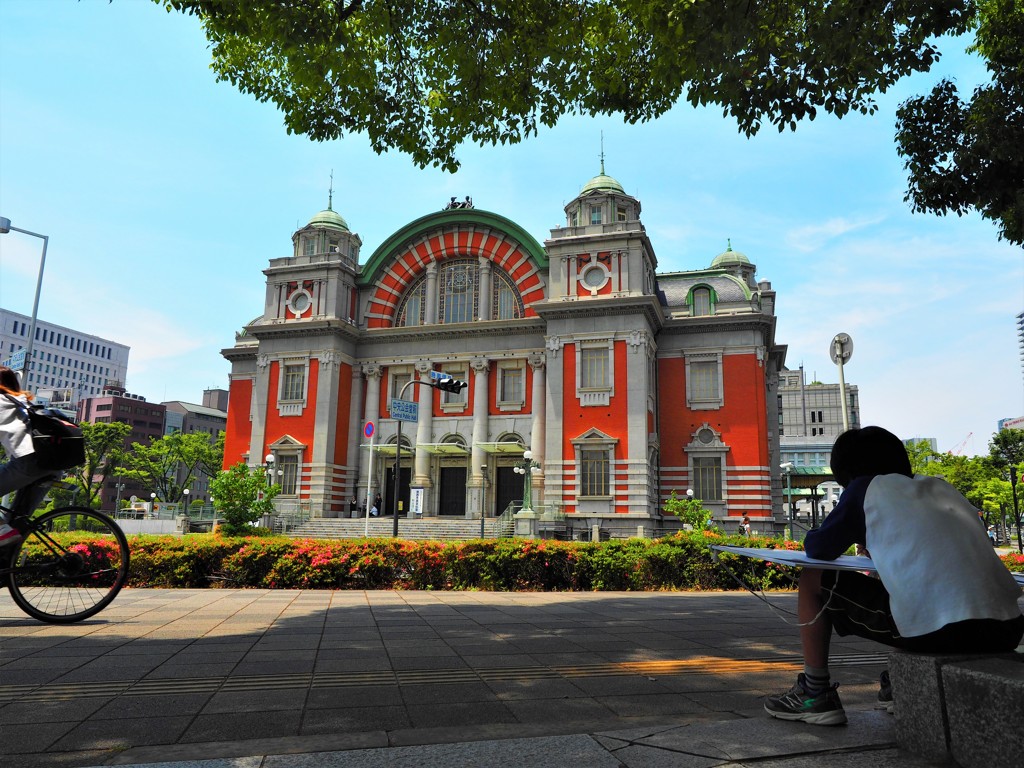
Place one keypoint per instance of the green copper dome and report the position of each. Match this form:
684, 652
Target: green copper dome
330, 218
729, 257
602, 183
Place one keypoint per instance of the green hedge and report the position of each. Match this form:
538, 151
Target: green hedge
679, 562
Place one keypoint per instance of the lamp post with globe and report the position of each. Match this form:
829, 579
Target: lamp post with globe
527, 468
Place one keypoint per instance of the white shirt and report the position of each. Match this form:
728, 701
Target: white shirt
933, 555
14, 434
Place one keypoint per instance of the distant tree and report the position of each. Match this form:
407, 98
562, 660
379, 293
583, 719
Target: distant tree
159, 464
242, 496
104, 449
966, 154
921, 455
1006, 452
422, 76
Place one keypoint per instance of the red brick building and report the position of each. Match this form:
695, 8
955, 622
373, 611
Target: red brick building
625, 384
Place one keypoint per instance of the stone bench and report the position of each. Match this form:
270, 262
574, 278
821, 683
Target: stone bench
965, 709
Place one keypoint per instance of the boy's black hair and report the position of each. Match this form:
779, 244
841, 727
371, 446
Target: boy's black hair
867, 452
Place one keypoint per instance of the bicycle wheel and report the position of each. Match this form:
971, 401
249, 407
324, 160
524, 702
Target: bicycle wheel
70, 566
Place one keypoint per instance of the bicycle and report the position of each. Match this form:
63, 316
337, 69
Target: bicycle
70, 565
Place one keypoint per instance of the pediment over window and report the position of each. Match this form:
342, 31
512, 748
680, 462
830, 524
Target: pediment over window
594, 435
288, 443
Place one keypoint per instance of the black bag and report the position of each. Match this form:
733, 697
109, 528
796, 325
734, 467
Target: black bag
57, 441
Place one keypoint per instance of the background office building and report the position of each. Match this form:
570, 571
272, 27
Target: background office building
67, 365
625, 384
811, 418
208, 418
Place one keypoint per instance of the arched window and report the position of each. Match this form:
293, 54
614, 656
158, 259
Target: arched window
701, 301
458, 296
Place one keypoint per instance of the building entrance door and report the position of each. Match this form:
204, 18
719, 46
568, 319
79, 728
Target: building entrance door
388, 491
508, 488
452, 495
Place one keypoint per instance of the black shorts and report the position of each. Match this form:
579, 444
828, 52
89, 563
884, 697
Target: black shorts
858, 604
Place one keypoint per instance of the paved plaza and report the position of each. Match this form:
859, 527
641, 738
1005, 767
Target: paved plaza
259, 677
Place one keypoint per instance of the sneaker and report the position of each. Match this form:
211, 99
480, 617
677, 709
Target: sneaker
885, 692
9, 535
796, 704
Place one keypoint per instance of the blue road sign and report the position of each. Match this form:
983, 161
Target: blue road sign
405, 410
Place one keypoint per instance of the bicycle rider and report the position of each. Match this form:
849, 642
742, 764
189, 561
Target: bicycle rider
21, 469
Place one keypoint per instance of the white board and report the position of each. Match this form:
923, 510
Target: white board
799, 559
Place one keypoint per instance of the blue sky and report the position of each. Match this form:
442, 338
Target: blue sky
165, 194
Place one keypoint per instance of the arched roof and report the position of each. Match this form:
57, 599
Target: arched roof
602, 183
441, 219
329, 218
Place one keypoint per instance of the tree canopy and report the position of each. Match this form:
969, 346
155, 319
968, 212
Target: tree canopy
422, 76
967, 154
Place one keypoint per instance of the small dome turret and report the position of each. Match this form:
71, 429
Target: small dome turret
729, 258
330, 218
602, 183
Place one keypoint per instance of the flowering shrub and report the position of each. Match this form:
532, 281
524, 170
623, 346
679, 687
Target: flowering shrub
1013, 561
677, 562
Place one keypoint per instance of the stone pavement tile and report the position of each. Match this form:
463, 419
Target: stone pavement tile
635, 756
26, 712
28, 676
654, 704
151, 706
354, 696
264, 656
255, 701
121, 733
728, 701
479, 657
857, 758
282, 666
219, 750
355, 719
46, 661
540, 752
548, 688
767, 737
31, 737
459, 714
581, 711
220, 762
104, 673
336, 662
440, 694
187, 671
428, 662
619, 685
243, 725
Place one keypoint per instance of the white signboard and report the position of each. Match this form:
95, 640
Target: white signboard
416, 500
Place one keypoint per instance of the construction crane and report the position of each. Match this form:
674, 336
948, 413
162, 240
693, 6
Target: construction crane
956, 451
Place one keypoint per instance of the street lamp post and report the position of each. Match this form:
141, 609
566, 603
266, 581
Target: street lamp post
5, 227
152, 505
787, 467
184, 503
117, 501
527, 468
268, 466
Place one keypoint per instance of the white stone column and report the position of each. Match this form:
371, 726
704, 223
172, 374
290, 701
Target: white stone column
424, 427
355, 457
485, 288
538, 425
261, 391
371, 412
478, 458
430, 296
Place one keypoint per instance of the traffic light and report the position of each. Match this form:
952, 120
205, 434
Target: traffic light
448, 384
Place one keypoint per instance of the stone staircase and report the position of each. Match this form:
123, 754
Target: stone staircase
427, 528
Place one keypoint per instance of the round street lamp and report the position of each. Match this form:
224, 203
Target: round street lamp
184, 500
527, 468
